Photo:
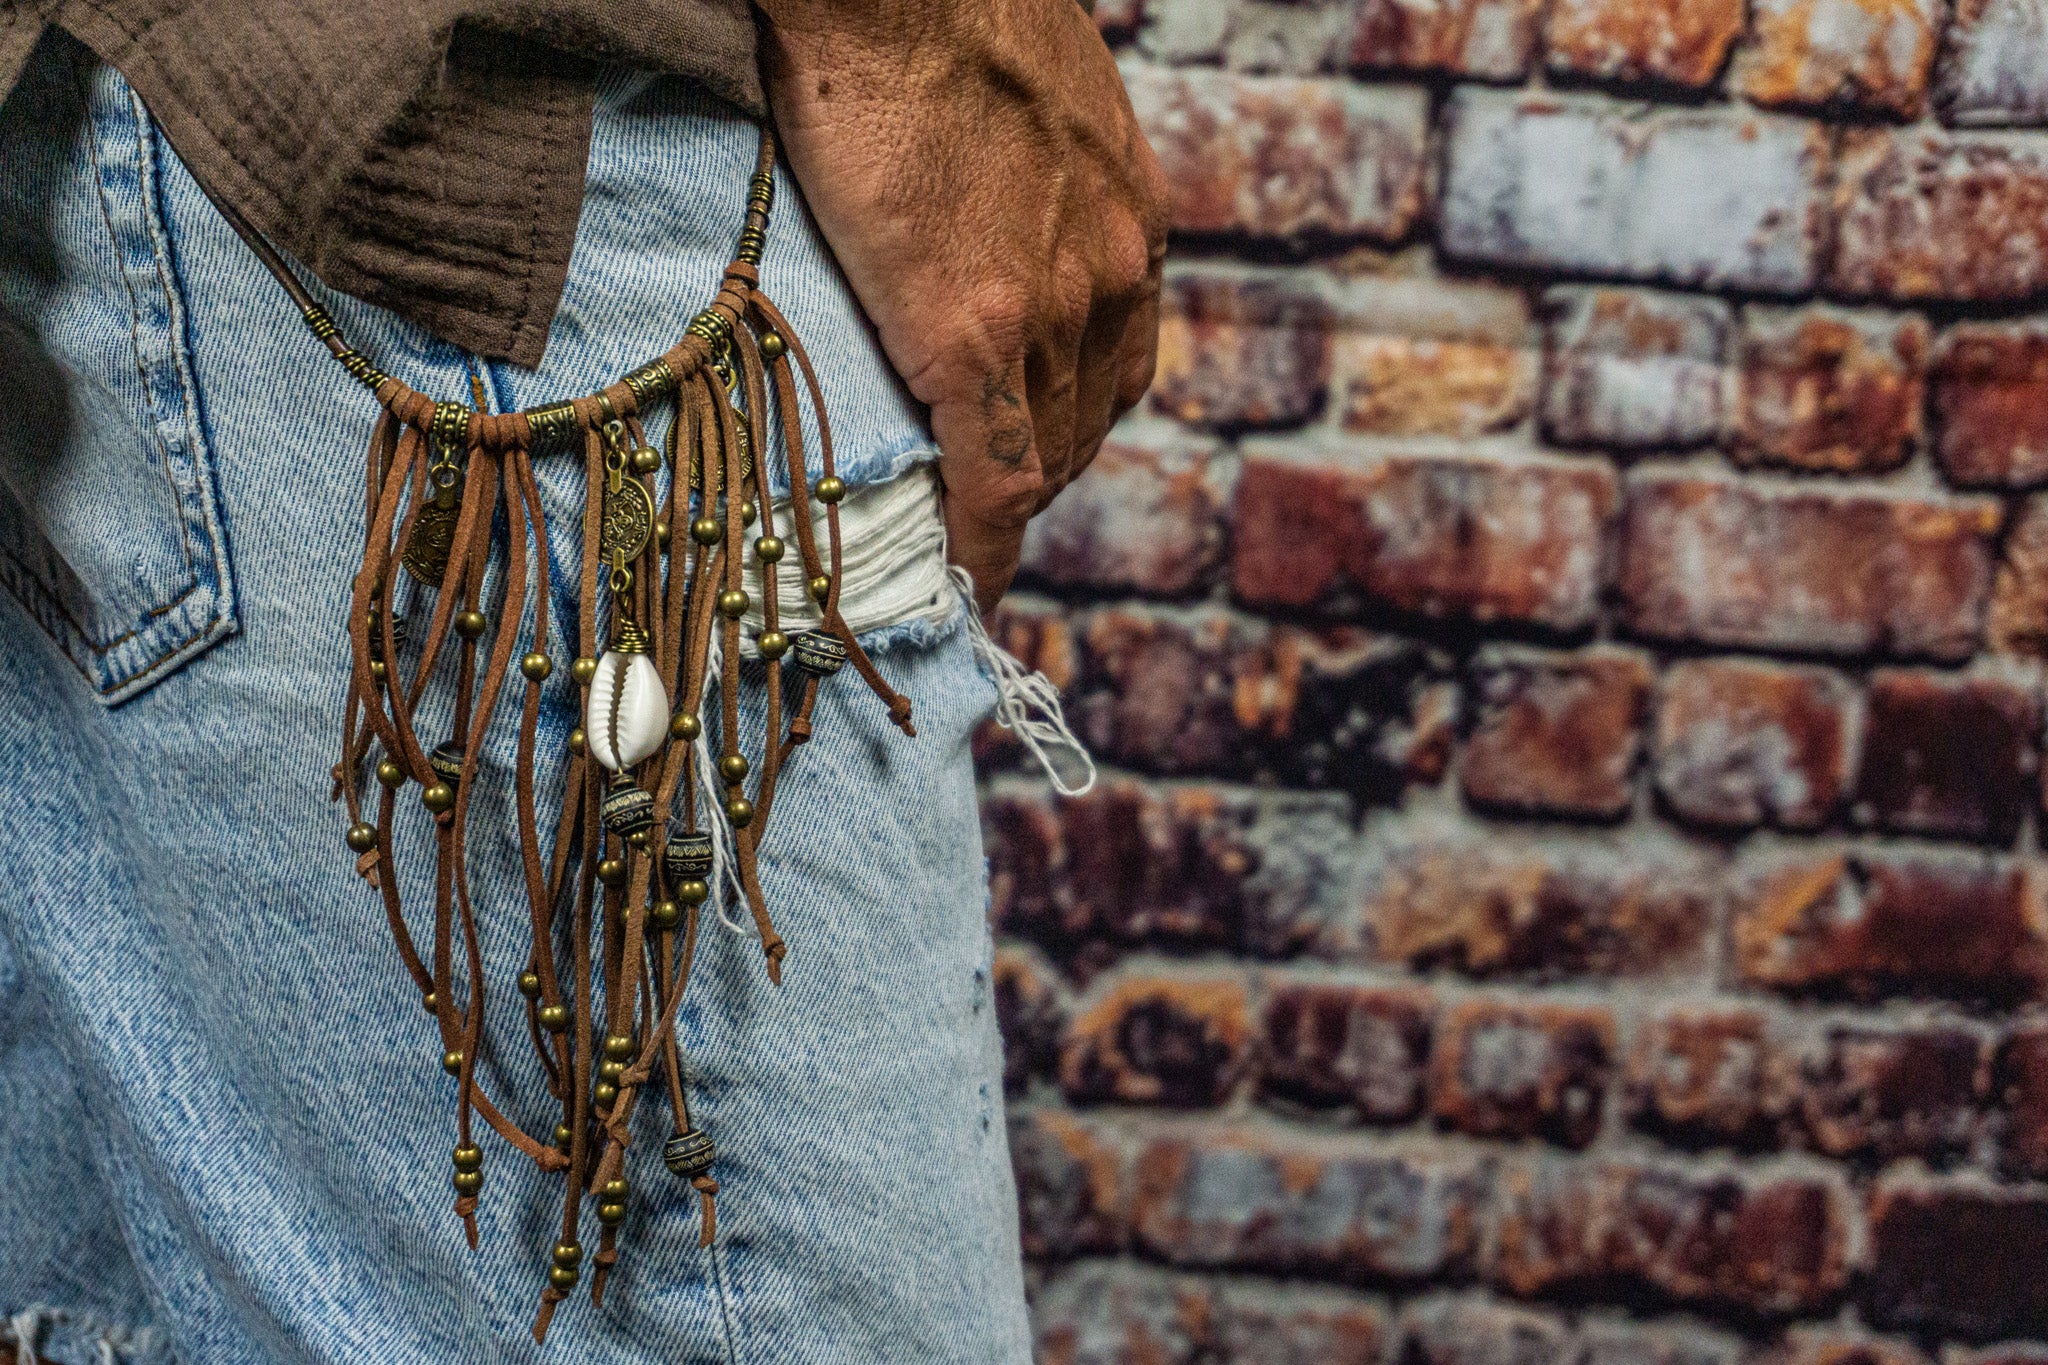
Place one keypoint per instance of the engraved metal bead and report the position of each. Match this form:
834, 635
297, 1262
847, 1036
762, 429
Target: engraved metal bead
439, 798
446, 761
362, 837
390, 774
628, 807
536, 666
831, 488
819, 653
470, 624
689, 1154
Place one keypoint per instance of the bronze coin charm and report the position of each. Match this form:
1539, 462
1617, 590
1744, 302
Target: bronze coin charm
628, 522
432, 541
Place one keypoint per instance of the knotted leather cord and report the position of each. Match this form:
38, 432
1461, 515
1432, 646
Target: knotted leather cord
722, 380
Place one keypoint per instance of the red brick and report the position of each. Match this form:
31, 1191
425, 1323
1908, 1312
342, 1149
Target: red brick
1031, 1012
1421, 356
1889, 1093
1505, 1069
1210, 691
1556, 733
1241, 351
1180, 1040
2019, 1088
1249, 1197
1705, 1076
1518, 539
1934, 215
1826, 570
1683, 42
1947, 755
1468, 1331
1990, 388
1175, 867
1146, 518
1299, 1326
1072, 1183
1676, 1342
1363, 1048
1957, 1257
1492, 39
1277, 157
1751, 1242
1828, 389
2017, 620
1739, 742
1872, 55
1958, 925
1584, 185
1838, 1346
1101, 1313
1494, 905
1633, 369
1990, 70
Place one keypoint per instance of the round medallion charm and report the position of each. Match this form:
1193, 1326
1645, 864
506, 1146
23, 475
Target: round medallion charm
628, 521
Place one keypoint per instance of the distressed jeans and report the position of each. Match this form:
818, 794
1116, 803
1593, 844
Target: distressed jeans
224, 1127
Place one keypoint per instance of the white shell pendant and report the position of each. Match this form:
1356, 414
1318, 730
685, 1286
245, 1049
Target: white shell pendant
641, 711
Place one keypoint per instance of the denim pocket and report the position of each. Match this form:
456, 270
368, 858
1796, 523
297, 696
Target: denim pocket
110, 528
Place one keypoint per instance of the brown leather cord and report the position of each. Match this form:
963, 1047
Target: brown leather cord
602, 967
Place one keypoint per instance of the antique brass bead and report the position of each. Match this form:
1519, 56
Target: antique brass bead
469, 624
603, 1094
554, 1018
740, 811
563, 1135
747, 511
469, 1157
684, 727
468, 1182
831, 488
733, 767
611, 1071
583, 670
431, 1003
611, 1215
821, 588
529, 984
438, 798
638, 838
611, 871
378, 670
562, 1276
663, 534
664, 915
734, 602
646, 460
706, 530
451, 1061
773, 644
618, 1047
772, 345
615, 1190
361, 837
536, 666
568, 1253
692, 892
768, 549
579, 743
390, 774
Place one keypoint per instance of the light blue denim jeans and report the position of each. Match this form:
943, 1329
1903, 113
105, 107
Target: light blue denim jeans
224, 1128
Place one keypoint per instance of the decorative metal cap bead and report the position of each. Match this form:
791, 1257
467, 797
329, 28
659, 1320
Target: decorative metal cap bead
390, 774
446, 761
687, 857
439, 798
689, 1154
628, 807
819, 653
470, 624
362, 837
536, 666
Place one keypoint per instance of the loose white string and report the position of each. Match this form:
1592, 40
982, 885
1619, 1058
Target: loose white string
1019, 692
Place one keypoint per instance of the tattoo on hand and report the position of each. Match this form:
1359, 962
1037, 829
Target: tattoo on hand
1009, 432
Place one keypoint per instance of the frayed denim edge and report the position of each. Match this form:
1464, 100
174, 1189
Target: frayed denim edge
45, 1335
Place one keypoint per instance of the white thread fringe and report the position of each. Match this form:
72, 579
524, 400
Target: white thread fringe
1019, 692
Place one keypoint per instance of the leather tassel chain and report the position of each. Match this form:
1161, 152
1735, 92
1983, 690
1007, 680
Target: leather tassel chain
650, 826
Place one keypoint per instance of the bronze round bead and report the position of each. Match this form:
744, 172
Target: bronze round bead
706, 530
611, 1215
615, 1190
768, 549
733, 767
378, 669
438, 798
469, 624
747, 511
468, 1182
740, 811
618, 1047
554, 1018
821, 588
451, 1061
568, 1253
773, 644
664, 915
611, 1071
772, 345
583, 670
362, 837
431, 1003
684, 727
638, 838
562, 1276
831, 488
529, 984
563, 1135
536, 666
692, 892
646, 460
734, 602
662, 534
469, 1157
390, 774
579, 743
611, 871
604, 1093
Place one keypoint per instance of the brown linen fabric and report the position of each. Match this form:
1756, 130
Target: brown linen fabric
425, 155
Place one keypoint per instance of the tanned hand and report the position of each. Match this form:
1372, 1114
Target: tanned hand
976, 167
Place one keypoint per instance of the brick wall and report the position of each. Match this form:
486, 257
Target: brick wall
1563, 637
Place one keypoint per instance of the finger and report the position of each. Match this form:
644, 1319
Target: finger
1116, 369
989, 464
